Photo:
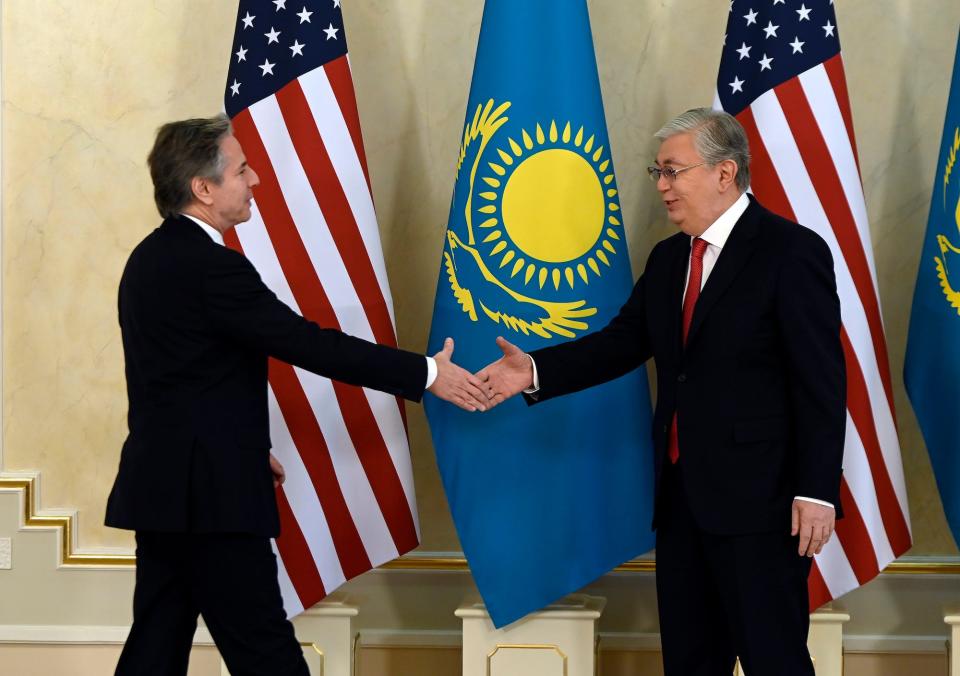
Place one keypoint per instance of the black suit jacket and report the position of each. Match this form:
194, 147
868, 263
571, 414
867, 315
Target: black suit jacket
759, 389
198, 325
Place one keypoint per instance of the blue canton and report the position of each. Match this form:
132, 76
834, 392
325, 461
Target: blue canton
277, 41
769, 42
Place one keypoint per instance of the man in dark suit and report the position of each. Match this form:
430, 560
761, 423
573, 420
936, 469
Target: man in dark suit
196, 478
739, 311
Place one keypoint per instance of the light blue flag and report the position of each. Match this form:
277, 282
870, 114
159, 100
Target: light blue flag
545, 499
932, 368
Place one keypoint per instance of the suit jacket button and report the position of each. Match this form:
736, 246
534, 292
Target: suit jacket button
682, 378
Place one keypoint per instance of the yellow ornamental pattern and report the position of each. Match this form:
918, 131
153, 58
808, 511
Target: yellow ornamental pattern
947, 249
541, 213
539, 317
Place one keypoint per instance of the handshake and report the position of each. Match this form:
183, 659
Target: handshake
492, 385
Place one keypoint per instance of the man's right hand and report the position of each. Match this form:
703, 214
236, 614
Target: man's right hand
457, 385
509, 375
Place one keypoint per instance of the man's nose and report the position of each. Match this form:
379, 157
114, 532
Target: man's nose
663, 185
254, 178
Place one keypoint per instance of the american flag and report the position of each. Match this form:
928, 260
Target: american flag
781, 75
348, 501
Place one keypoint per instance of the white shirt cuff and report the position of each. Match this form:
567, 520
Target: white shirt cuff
431, 372
536, 379
814, 500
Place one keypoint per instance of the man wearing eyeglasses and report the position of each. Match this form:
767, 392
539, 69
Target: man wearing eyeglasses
740, 313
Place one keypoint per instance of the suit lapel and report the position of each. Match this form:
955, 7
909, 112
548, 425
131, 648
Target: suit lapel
678, 274
734, 255
183, 227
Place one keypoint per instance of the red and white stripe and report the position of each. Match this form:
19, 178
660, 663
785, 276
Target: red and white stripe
348, 503
805, 168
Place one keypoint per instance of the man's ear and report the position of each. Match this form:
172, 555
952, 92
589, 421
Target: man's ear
200, 187
728, 174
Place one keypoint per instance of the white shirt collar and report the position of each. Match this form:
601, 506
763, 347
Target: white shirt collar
210, 230
720, 229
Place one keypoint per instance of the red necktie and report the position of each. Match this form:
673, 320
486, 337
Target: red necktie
689, 302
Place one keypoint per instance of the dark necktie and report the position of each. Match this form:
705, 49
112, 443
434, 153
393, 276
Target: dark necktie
689, 302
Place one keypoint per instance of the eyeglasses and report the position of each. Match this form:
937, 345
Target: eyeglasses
668, 173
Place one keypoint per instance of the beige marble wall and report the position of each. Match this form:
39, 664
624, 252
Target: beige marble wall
86, 83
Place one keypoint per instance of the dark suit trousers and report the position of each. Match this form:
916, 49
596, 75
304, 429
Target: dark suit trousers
724, 596
230, 579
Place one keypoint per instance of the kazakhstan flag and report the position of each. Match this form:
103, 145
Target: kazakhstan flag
932, 369
545, 499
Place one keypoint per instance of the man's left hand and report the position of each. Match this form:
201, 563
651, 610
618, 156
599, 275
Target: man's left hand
509, 375
279, 475
814, 523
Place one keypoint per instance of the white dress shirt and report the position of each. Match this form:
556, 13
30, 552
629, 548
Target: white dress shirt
716, 238
209, 229
217, 237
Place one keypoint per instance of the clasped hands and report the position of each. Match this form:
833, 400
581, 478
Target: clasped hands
492, 385
513, 373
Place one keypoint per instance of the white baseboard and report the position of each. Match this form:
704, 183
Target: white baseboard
875, 643
626, 641
384, 638
78, 635
629, 641
895, 644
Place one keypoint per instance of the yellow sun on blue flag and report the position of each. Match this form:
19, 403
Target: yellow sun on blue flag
545, 499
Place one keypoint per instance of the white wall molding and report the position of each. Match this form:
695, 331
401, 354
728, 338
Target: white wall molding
894, 613
62, 522
78, 635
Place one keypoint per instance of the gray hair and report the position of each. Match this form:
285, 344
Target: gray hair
185, 150
717, 136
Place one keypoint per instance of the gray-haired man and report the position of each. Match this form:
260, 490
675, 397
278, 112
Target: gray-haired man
739, 311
